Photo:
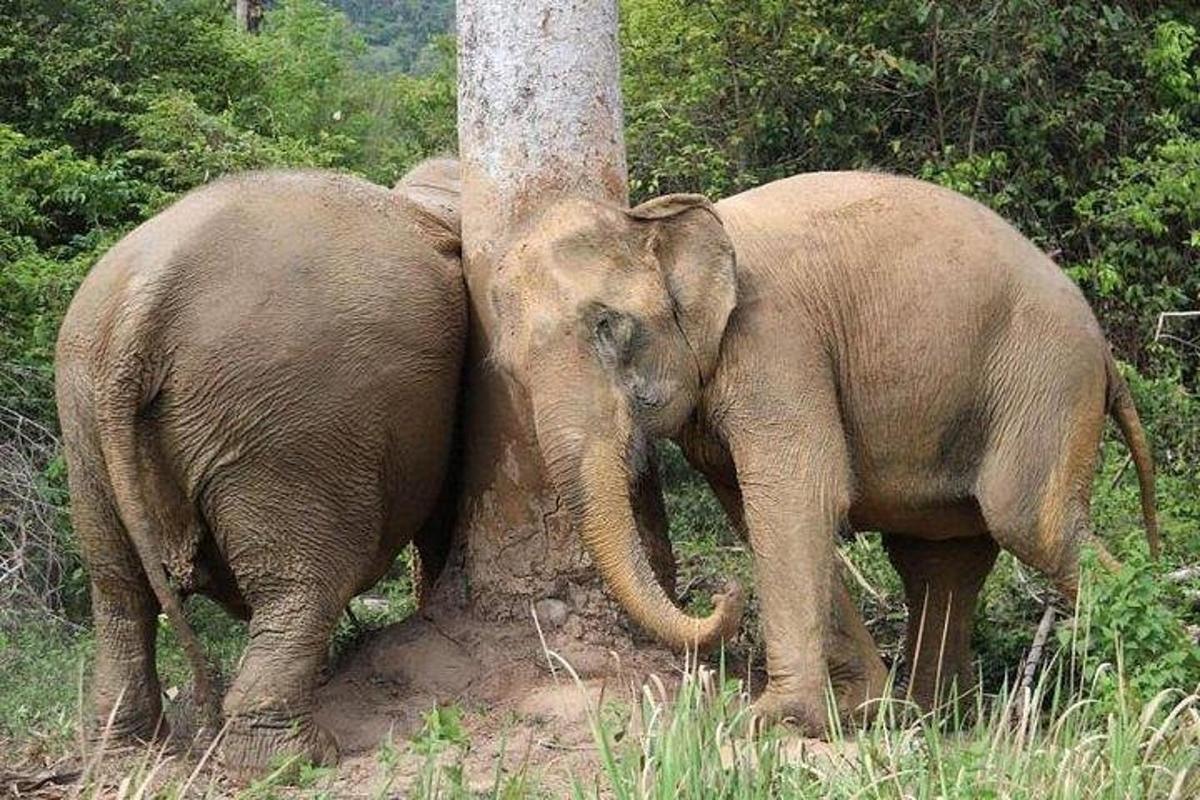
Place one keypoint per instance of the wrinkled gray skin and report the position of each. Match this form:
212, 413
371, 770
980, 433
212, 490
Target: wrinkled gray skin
884, 352
257, 391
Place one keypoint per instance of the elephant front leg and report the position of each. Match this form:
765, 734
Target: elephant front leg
856, 671
794, 494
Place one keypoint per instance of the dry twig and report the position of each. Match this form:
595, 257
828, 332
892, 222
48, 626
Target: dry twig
33, 561
1161, 335
1034, 657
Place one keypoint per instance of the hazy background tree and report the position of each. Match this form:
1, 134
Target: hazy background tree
249, 14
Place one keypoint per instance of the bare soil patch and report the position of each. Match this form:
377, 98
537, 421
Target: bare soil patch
523, 710
524, 713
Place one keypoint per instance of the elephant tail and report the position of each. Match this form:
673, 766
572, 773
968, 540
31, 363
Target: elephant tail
1123, 412
130, 387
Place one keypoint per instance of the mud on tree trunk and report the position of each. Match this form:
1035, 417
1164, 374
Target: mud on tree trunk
539, 116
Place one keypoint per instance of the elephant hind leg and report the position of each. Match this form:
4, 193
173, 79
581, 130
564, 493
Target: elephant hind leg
271, 701
942, 579
1034, 490
125, 688
298, 556
856, 671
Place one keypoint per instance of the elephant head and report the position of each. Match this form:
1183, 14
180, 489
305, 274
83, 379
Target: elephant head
611, 320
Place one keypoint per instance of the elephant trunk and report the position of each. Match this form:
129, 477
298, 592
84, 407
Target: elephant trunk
593, 475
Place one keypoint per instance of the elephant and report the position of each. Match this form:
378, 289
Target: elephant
257, 390
842, 348
857, 674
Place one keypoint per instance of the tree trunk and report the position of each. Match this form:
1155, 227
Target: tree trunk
539, 117
249, 15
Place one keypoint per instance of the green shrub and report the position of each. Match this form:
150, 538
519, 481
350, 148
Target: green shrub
1077, 121
1129, 642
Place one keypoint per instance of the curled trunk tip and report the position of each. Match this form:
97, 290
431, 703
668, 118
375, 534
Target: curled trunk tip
726, 618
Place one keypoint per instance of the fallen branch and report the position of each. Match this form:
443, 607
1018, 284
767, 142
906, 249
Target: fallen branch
1034, 657
1164, 316
1183, 575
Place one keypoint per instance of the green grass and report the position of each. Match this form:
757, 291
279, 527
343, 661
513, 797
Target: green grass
698, 746
41, 669
1129, 724
1058, 740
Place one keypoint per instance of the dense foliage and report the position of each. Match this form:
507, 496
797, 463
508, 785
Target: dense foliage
110, 109
1078, 121
400, 34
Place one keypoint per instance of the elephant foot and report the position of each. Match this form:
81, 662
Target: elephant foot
860, 703
860, 687
254, 745
806, 714
133, 723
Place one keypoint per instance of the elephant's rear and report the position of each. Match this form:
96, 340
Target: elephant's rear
258, 392
266, 333
326, 367
338, 341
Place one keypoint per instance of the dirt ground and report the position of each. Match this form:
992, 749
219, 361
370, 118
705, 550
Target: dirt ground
520, 716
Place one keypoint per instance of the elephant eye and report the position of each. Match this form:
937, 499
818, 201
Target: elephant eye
604, 329
611, 334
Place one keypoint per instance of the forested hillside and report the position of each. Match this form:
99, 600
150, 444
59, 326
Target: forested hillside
399, 34
1077, 121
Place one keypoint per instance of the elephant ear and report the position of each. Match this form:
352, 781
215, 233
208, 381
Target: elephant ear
698, 263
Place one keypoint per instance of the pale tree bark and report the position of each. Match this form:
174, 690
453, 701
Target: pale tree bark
249, 14
539, 117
